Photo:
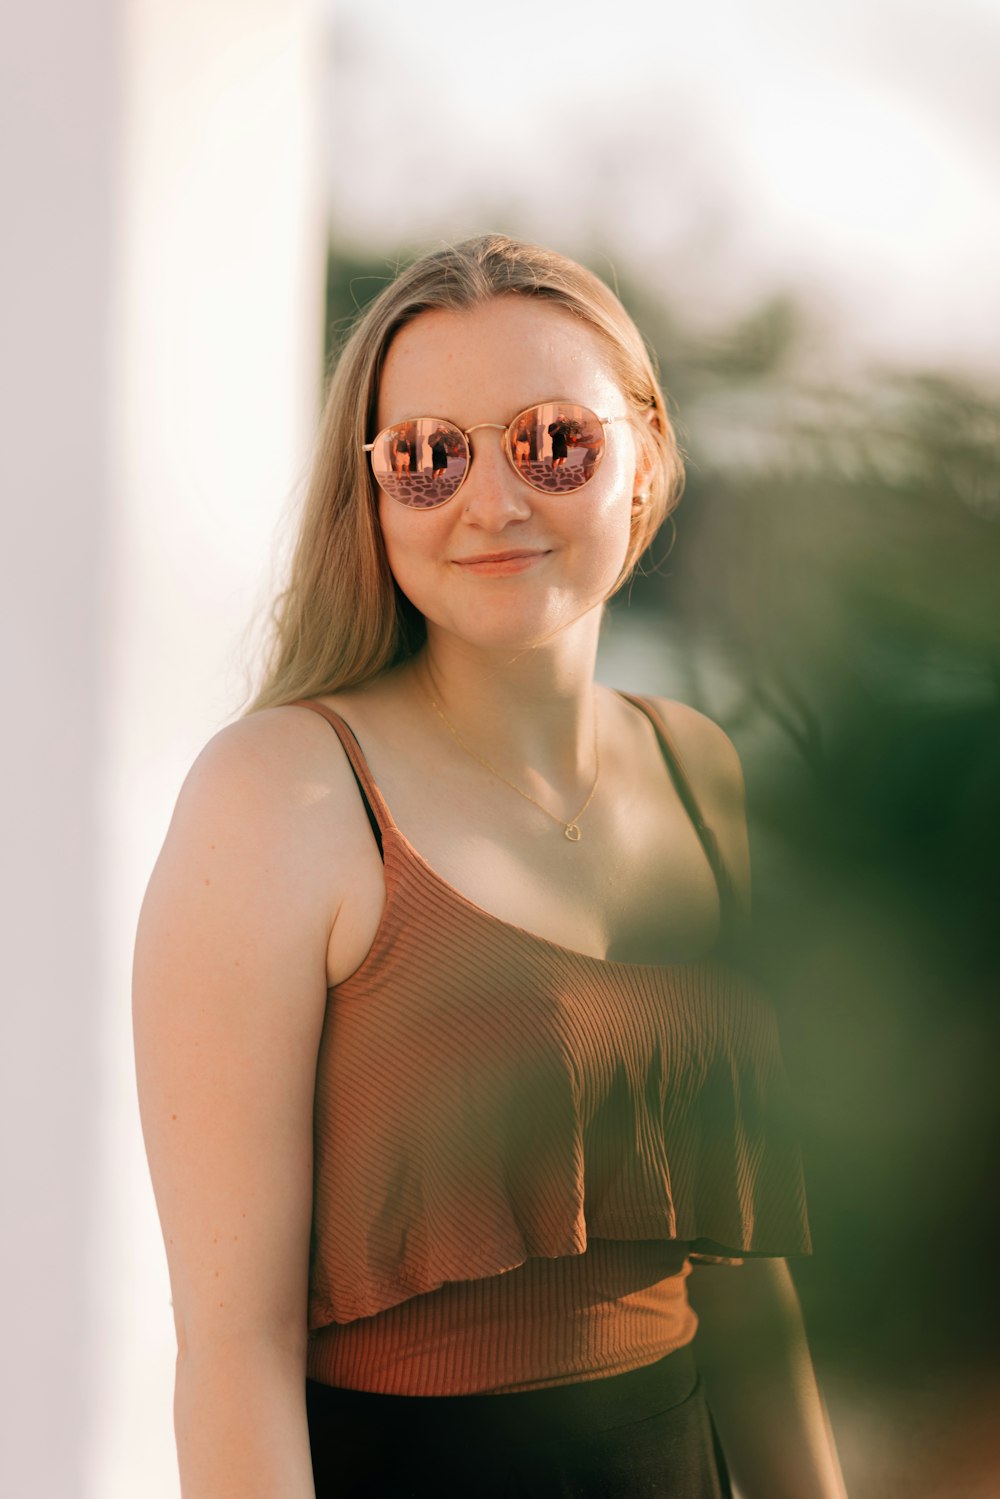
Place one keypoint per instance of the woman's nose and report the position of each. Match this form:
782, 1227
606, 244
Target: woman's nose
492, 494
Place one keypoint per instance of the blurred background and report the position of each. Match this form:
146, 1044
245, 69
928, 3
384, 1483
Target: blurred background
799, 205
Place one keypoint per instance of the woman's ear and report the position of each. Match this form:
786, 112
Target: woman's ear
645, 458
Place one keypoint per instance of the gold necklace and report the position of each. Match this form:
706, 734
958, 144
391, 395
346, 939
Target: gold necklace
571, 829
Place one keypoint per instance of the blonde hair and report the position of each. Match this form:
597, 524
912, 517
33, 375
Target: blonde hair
342, 620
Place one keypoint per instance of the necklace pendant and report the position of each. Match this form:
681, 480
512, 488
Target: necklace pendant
572, 832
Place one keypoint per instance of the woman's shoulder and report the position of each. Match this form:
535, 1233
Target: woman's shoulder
271, 778
279, 752
268, 841
707, 753
712, 766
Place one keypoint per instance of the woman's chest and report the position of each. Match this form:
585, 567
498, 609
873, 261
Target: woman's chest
636, 886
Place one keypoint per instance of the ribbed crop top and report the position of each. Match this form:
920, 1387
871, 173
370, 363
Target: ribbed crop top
503, 1125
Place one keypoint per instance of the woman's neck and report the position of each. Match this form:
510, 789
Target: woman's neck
534, 709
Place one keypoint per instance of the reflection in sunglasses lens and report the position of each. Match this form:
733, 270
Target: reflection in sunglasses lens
557, 446
420, 462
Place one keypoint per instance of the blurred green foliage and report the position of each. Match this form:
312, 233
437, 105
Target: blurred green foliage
832, 598
838, 566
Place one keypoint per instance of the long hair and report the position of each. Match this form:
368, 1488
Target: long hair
341, 620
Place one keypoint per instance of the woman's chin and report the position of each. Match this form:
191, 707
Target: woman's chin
513, 632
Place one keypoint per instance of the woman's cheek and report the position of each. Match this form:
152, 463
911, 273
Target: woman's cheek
411, 559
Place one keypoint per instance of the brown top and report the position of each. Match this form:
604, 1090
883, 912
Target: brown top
618, 1307
485, 1098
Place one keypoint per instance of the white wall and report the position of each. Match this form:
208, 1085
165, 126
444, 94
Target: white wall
57, 97
161, 371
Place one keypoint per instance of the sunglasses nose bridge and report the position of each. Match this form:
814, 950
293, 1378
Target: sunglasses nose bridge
504, 456
493, 427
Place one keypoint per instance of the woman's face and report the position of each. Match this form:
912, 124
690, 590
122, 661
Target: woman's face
502, 564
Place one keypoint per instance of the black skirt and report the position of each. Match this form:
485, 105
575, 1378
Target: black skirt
642, 1435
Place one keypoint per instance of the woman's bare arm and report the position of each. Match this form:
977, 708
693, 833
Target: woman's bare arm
229, 996
760, 1384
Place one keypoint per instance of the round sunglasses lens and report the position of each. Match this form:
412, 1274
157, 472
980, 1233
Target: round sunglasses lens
557, 446
420, 462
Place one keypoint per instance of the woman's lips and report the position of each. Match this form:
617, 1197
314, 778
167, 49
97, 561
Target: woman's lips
501, 564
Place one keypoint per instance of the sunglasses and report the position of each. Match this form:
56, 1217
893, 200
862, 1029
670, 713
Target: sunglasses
556, 446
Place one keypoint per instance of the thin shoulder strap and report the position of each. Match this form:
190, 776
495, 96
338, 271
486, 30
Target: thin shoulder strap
671, 754
378, 813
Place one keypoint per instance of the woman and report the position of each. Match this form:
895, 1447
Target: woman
438, 1030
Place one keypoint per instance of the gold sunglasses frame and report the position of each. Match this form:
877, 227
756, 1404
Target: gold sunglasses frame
465, 432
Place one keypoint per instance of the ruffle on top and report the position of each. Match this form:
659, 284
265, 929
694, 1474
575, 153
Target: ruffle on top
484, 1096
